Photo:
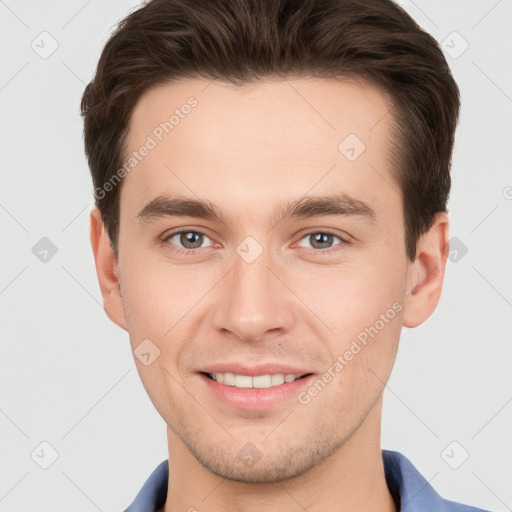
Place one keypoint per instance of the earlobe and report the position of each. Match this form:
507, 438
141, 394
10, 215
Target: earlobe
106, 269
426, 274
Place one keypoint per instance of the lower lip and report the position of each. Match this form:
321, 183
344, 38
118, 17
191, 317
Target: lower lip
252, 399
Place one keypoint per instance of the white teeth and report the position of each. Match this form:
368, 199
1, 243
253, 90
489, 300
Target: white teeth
243, 381
277, 379
246, 381
229, 378
262, 381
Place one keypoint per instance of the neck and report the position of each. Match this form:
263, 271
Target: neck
352, 479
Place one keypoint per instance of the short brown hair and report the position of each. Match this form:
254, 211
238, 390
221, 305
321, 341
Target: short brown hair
242, 41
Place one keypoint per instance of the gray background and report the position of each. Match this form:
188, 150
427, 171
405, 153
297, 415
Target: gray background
67, 376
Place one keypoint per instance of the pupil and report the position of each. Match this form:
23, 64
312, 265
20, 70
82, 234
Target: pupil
191, 238
320, 238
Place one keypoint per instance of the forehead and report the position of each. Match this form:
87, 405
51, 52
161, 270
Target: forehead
257, 143
313, 111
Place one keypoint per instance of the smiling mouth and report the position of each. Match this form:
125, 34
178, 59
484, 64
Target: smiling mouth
258, 381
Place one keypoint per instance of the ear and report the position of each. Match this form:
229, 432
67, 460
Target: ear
426, 274
106, 269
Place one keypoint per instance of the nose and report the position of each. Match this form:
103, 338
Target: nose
253, 301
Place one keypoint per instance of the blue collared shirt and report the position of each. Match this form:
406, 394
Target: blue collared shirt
410, 490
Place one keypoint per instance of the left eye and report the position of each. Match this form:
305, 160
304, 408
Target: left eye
189, 240
321, 239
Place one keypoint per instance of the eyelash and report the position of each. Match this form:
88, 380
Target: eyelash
186, 252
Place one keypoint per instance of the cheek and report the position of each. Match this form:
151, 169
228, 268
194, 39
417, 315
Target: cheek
366, 367
150, 298
350, 297
160, 297
361, 305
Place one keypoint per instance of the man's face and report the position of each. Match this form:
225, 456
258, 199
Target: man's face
257, 289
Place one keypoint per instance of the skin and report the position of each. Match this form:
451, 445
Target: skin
247, 149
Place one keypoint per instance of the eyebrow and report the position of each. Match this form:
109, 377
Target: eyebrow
340, 204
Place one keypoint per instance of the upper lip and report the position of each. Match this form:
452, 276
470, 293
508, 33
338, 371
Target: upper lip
254, 370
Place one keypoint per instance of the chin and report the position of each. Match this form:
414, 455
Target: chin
250, 465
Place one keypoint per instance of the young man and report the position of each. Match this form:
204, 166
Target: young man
271, 180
